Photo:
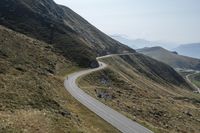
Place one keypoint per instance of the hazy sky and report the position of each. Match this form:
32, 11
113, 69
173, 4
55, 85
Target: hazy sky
157, 20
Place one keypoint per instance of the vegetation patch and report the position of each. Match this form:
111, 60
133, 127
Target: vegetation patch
160, 107
32, 95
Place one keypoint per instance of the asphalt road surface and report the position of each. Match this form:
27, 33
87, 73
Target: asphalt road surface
119, 121
188, 79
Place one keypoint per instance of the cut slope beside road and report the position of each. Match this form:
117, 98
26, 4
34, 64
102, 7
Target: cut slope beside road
116, 119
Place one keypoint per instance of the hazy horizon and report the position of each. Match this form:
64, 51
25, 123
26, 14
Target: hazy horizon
174, 21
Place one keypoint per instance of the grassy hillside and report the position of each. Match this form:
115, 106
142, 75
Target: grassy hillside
195, 79
70, 34
171, 58
136, 89
32, 95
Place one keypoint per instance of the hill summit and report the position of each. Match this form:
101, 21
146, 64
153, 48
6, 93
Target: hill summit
69, 33
171, 58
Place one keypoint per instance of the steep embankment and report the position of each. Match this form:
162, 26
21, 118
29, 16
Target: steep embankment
171, 58
135, 86
70, 34
32, 95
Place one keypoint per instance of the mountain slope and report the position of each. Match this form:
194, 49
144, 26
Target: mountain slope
171, 58
32, 96
149, 68
191, 50
70, 34
135, 87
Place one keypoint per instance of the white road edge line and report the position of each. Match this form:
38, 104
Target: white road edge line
119, 121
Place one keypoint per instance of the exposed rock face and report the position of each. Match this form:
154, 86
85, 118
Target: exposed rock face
69, 33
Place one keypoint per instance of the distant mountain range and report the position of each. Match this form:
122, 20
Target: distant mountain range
141, 43
192, 50
171, 58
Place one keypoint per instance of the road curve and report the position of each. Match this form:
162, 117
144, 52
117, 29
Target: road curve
190, 82
119, 121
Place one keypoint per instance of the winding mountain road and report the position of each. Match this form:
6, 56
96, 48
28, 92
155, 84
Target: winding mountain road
190, 82
119, 121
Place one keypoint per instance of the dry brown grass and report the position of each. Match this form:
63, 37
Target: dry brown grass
160, 107
32, 94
